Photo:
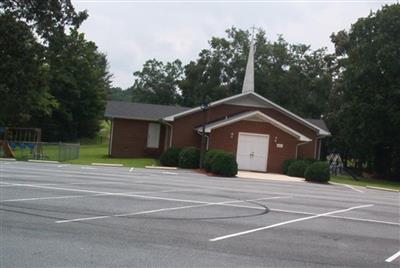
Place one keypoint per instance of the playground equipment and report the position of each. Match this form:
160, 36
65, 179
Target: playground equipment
23, 138
25, 144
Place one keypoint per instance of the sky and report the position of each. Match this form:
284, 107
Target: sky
130, 32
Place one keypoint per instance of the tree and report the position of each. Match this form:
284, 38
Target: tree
219, 70
369, 88
45, 17
119, 94
72, 73
79, 80
158, 83
23, 87
293, 76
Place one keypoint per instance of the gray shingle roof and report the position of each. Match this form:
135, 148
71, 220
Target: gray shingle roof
319, 123
144, 111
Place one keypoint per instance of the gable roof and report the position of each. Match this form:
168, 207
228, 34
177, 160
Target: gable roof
256, 115
269, 103
140, 111
319, 123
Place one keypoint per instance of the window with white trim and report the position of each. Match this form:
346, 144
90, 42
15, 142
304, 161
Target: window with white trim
153, 135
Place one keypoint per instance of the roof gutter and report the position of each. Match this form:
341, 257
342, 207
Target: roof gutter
162, 121
295, 117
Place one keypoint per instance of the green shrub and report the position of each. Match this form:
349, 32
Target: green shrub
310, 161
224, 164
317, 171
297, 168
170, 157
189, 157
286, 165
209, 157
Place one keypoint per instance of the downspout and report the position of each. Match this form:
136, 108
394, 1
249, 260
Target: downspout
207, 139
297, 147
317, 153
171, 127
319, 149
110, 141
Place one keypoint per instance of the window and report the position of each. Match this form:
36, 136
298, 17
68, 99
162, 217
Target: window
153, 135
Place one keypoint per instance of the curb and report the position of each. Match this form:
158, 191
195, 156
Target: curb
43, 161
7, 159
381, 188
107, 165
161, 167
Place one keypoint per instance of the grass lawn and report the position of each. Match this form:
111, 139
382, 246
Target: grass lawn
366, 181
97, 153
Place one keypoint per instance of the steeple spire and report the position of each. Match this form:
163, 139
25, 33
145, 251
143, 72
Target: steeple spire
248, 83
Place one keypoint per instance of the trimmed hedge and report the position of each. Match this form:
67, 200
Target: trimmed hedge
298, 168
209, 158
286, 165
318, 172
189, 157
170, 157
224, 164
310, 161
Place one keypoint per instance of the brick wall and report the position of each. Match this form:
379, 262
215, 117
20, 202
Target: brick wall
185, 135
130, 136
130, 139
226, 138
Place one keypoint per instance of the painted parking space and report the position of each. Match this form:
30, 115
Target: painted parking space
184, 218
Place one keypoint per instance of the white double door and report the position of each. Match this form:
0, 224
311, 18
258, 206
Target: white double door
252, 151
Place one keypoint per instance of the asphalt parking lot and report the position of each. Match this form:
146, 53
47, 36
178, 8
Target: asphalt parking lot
56, 215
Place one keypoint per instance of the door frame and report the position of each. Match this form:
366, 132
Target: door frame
254, 134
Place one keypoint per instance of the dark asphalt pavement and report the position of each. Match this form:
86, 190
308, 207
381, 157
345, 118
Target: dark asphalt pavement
57, 215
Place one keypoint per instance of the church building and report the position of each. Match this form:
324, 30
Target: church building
260, 133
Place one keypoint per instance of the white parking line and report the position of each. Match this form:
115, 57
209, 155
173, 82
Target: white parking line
393, 257
131, 169
88, 168
364, 220
73, 173
49, 197
201, 202
81, 196
167, 209
55, 184
353, 188
169, 173
336, 216
286, 222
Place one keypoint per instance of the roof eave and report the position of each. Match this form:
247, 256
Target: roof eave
131, 118
195, 109
294, 116
266, 118
319, 130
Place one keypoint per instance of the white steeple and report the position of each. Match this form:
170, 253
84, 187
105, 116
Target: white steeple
248, 83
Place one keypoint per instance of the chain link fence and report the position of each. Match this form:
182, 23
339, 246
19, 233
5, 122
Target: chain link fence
44, 151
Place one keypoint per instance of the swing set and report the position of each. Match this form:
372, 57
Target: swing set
12, 139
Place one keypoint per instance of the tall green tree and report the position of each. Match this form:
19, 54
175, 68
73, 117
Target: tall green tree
23, 86
73, 74
219, 70
45, 17
368, 117
158, 83
294, 76
79, 80
119, 94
